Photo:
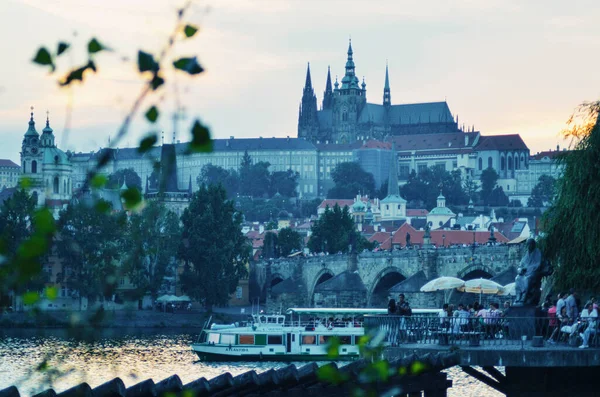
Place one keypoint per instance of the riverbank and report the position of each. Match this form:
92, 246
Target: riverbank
114, 319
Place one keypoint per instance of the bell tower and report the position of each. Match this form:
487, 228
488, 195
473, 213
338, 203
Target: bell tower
31, 159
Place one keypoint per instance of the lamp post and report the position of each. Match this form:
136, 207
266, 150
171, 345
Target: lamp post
444, 240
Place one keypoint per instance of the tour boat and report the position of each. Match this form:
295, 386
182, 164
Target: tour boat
270, 337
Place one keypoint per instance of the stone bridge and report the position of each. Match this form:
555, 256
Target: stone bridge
370, 278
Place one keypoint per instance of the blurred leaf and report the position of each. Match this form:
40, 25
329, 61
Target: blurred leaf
331, 374
402, 371
51, 293
31, 297
104, 158
44, 58
25, 183
91, 65
147, 143
152, 114
103, 206
381, 369
189, 65
146, 62
132, 197
95, 46
42, 366
201, 141
98, 181
62, 47
43, 221
190, 30
417, 367
333, 350
156, 82
33, 247
76, 75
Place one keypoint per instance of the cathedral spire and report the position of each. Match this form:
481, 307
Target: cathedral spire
350, 80
308, 123
328, 94
31, 130
308, 83
387, 98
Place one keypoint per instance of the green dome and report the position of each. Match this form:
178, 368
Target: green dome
441, 211
55, 156
359, 206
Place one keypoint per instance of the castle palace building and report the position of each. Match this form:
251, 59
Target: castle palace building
346, 116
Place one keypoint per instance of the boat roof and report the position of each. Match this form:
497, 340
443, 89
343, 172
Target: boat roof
324, 310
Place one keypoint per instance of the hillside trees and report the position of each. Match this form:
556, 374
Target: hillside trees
350, 180
334, 232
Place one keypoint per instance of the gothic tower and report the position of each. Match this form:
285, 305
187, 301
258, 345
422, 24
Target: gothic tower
328, 94
349, 100
308, 122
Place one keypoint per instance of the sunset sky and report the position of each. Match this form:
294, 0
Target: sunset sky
504, 66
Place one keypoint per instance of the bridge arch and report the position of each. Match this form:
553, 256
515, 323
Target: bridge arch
386, 279
476, 270
275, 279
321, 277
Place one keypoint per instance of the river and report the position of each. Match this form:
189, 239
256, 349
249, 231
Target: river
133, 355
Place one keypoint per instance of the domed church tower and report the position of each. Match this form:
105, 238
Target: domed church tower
31, 161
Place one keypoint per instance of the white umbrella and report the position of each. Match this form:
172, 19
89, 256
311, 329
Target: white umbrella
508, 289
442, 283
447, 284
184, 298
167, 298
482, 286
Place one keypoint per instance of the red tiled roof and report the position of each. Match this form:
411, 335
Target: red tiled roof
416, 212
551, 154
332, 202
437, 236
380, 237
501, 142
331, 147
450, 141
8, 163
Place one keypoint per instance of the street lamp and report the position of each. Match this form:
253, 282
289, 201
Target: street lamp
444, 240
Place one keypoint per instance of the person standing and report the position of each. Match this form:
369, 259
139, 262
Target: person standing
590, 315
392, 307
403, 307
571, 304
560, 304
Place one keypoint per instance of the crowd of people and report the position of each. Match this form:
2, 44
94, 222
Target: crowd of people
401, 308
474, 318
565, 319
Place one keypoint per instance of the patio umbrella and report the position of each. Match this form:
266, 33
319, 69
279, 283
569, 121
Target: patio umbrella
167, 298
482, 286
446, 284
508, 289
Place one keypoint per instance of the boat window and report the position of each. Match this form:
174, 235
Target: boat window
262, 319
275, 339
260, 339
213, 338
227, 339
280, 320
345, 339
271, 320
246, 339
308, 339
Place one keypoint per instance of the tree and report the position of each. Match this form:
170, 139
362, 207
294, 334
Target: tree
334, 232
270, 246
284, 183
350, 180
497, 197
289, 241
425, 187
543, 192
489, 178
16, 214
213, 247
214, 175
471, 187
152, 244
310, 207
90, 247
127, 176
570, 225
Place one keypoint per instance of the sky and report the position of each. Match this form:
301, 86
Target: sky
504, 66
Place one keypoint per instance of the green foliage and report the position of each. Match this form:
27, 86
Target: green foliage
61, 48
201, 142
189, 65
423, 189
215, 175
43, 57
334, 232
310, 207
543, 192
190, 30
289, 241
213, 247
350, 180
471, 187
152, 243
152, 114
570, 225
270, 246
146, 62
489, 178
90, 248
128, 176
98, 181
132, 198
147, 143
497, 198
94, 46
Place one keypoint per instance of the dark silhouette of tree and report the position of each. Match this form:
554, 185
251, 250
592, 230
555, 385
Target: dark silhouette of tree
127, 176
289, 241
543, 192
213, 246
350, 179
489, 178
334, 232
497, 197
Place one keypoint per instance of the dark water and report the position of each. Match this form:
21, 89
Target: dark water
132, 355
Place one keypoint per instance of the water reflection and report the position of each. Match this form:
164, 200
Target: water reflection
35, 360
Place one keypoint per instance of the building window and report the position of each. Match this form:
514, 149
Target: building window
421, 168
55, 187
489, 162
238, 292
480, 163
507, 187
404, 172
502, 164
387, 207
34, 167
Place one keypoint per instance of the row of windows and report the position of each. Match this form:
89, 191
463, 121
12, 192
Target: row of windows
278, 339
505, 162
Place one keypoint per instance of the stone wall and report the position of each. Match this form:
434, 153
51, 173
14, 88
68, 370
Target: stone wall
373, 266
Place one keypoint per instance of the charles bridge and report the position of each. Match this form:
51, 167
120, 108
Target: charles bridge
369, 278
